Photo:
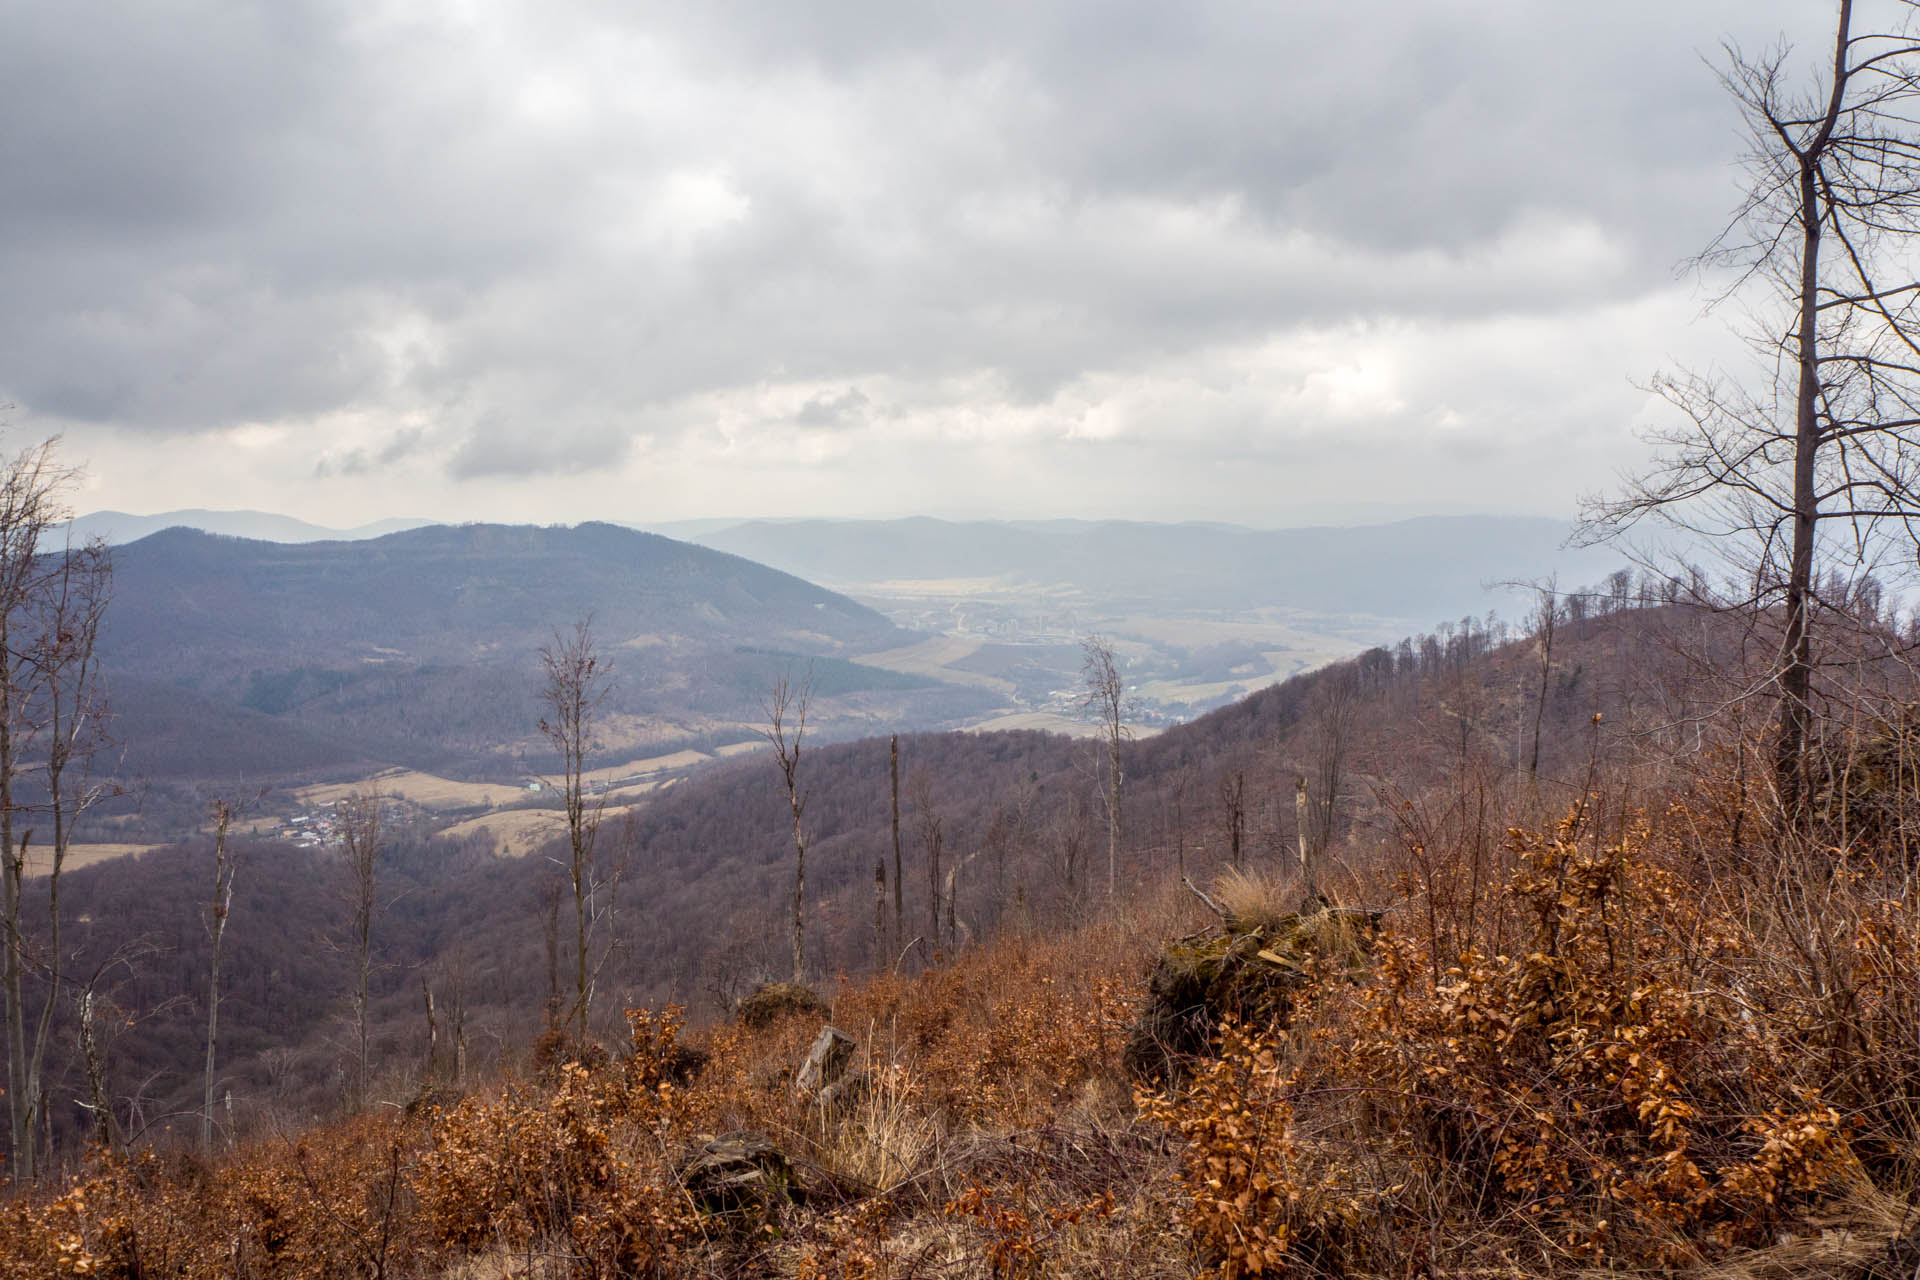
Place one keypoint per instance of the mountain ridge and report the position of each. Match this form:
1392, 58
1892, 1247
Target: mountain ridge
120, 527
422, 646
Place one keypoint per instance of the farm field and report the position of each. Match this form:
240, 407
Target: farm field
423, 789
39, 861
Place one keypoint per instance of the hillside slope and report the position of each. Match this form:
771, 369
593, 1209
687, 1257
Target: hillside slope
1601, 1018
707, 864
421, 646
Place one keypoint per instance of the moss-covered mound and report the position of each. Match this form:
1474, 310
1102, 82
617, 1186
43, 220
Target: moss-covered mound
772, 1001
1243, 969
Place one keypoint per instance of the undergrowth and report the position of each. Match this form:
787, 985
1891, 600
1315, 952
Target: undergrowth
1647, 1044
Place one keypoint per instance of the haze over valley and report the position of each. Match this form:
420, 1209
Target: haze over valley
412, 656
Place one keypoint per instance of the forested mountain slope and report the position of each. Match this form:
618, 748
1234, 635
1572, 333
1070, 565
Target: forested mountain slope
706, 866
420, 647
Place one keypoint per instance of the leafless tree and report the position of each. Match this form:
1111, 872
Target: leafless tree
899, 886
932, 842
1106, 697
1545, 618
448, 1062
433, 1028
1233, 811
880, 937
52, 714
1334, 704
219, 909
1182, 783
786, 710
1810, 469
577, 683
358, 816
94, 1009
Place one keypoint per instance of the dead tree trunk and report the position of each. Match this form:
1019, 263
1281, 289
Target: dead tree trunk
788, 710
899, 881
218, 911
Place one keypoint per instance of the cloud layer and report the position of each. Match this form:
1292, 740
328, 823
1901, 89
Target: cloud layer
1227, 260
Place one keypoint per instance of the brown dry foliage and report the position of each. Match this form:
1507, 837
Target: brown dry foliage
1658, 1041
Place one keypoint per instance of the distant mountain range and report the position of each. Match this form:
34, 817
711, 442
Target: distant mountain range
118, 526
421, 647
315, 649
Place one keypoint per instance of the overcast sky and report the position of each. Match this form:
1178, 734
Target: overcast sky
461, 259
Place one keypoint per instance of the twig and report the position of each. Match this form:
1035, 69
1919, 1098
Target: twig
1212, 906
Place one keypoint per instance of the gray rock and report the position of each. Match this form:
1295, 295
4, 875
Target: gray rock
826, 1062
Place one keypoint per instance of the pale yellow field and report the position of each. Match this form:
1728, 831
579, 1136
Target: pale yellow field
518, 832
431, 792
40, 861
423, 789
652, 764
515, 832
930, 658
733, 749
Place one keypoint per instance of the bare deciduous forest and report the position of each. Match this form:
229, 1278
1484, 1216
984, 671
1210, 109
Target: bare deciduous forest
1587, 945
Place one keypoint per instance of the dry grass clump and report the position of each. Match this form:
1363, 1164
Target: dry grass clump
1256, 901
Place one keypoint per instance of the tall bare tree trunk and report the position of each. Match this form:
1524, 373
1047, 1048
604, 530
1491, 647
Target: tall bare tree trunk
577, 685
1107, 696
899, 880
90, 1055
1233, 803
217, 913
50, 609
359, 820
433, 1030
1796, 665
787, 709
1303, 819
879, 914
1547, 617
22, 1109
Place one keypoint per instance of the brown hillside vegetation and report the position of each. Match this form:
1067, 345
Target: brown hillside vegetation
1637, 1036
1443, 721
1592, 1016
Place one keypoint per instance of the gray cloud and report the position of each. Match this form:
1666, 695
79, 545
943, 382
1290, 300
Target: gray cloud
547, 239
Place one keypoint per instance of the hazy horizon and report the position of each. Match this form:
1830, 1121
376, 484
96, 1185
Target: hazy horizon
1361, 519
